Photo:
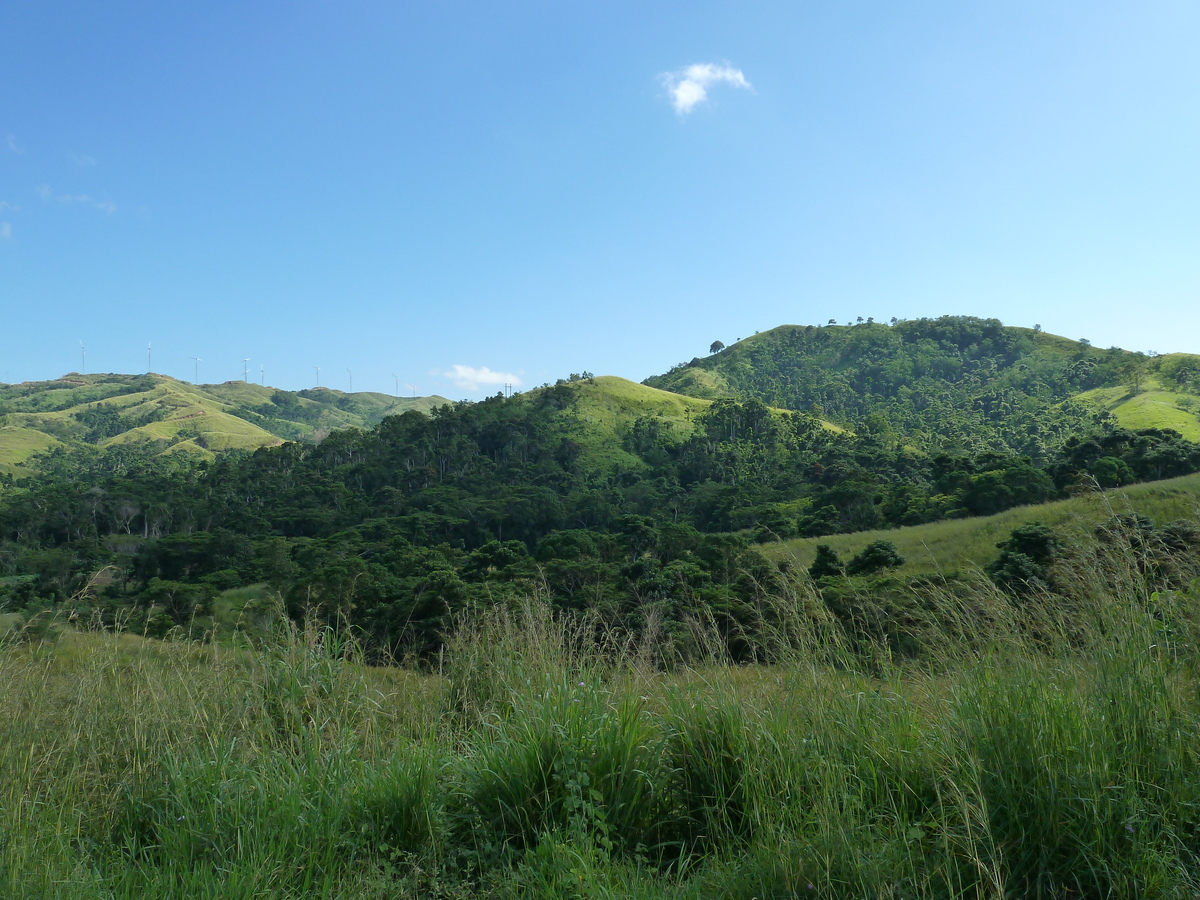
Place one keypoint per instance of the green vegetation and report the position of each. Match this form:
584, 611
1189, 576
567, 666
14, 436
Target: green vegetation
17, 444
101, 410
632, 503
606, 640
1035, 745
950, 384
947, 548
1151, 407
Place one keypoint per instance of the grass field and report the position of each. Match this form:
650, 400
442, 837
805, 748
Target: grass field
18, 443
1152, 407
958, 544
1053, 755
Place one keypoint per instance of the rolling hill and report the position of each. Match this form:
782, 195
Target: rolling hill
1152, 406
107, 409
605, 407
953, 383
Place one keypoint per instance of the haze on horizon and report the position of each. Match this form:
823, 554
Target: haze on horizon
470, 195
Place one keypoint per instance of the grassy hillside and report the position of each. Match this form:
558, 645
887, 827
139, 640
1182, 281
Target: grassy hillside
106, 409
1030, 753
18, 443
957, 544
1151, 405
606, 406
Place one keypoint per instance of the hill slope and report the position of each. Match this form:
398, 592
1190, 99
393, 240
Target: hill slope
105, 409
1154, 406
605, 407
956, 383
957, 544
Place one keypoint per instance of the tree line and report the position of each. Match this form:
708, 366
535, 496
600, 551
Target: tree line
397, 528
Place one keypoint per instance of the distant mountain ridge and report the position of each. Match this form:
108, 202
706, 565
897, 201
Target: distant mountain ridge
109, 409
933, 385
952, 383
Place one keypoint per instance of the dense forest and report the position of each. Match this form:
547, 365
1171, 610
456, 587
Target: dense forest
397, 528
953, 383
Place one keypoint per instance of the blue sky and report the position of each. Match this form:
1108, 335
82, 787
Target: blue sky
443, 194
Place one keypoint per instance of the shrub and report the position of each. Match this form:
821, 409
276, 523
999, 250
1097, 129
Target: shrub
826, 563
875, 557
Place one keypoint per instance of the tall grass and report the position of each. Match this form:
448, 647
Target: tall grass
974, 746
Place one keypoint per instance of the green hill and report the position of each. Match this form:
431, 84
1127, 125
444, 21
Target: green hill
604, 408
106, 409
1150, 407
953, 383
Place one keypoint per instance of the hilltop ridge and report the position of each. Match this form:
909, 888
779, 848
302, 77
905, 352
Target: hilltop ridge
108, 409
952, 383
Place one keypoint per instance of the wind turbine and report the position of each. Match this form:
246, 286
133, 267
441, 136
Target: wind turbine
246, 368
318, 368
83, 358
397, 377
148, 366
262, 375
197, 361
414, 388
351, 381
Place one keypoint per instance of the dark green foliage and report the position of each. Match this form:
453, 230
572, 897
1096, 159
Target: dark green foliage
1145, 455
1025, 559
1036, 541
873, 558
955, 382
826, 563
1017, 573
1111, 472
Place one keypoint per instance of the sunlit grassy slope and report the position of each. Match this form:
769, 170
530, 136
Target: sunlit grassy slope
18, 443
183, 417
607, 406
608, 402
956, 544
1152, 407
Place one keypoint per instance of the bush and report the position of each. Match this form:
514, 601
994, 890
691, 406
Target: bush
875, 557
1023, 565
826, 563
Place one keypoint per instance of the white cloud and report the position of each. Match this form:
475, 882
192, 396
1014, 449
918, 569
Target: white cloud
470, 378
689, 87
12, 144
82, 160
4, 204
5, 231
44, 191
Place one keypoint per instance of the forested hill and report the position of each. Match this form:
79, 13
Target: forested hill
604, 494
953, 383
107, 410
